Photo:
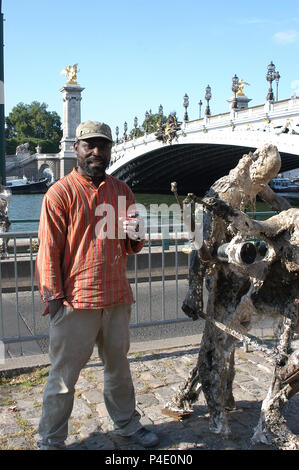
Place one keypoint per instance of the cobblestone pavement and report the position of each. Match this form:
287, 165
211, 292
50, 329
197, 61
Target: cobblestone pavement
157, 374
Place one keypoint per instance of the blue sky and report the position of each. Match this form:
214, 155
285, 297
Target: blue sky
135, 55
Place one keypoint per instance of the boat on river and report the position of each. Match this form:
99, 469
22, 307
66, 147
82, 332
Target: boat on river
284, 186
24, 186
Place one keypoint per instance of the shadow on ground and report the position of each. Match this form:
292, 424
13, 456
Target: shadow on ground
190, 434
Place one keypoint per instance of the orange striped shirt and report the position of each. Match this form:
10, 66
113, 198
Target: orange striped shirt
75, 260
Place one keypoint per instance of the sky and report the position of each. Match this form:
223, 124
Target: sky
134, 55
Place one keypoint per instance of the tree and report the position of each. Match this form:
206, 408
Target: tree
149, 125
33, 123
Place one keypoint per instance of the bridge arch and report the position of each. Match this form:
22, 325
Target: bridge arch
195, 166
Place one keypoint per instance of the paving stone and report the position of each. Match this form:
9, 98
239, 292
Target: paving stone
146, 399
17, 443
242, 377
102, 410
29, 412
93, 375
173, 379
165, 393
88, 427
80, 409
252, 388
84, 384
149, 378
93, 396
155, 413
106, 424
8, 423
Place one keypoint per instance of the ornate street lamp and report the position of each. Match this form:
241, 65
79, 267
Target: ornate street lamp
277, 77
235, 88
147, 116
208, 96
125, 131
200, 105
271, 75
160, 112
117, 132
186, 104
135, 126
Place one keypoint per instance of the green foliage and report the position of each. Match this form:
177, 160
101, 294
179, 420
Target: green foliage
33, 123
154, 122
138, 132
149, 126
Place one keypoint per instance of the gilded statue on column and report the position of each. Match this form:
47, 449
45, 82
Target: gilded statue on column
71, 72
241, 84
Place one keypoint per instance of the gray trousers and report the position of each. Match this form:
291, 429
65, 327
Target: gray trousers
73, 335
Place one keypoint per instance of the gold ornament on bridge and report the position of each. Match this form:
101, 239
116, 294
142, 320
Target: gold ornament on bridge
71, 74
168, 131
241, 87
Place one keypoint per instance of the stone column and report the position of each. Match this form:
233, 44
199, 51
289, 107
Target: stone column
71, 97
242, 102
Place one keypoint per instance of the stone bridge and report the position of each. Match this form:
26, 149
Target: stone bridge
207, 148
204, 150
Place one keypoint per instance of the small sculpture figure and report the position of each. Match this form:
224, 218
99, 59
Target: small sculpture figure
241, 87
22, 149
71, 72
168, 132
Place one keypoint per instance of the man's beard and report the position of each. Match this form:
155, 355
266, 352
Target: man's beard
94, 170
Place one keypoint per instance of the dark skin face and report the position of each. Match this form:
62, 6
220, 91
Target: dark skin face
93, 158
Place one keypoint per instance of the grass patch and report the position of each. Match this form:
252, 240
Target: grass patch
23, 423
37, 377
136, 355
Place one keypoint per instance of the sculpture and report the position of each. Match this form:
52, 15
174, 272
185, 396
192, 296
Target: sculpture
243, 268
23, 149
71, 72
5, 197
168, 131
241, 84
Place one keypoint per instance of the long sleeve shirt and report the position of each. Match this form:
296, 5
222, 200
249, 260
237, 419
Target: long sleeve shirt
82, 248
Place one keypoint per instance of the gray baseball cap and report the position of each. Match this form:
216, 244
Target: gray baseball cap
92, 129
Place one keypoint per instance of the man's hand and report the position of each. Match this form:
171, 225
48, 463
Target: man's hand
54, 306
134, 228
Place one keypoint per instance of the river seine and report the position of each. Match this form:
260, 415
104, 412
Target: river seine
28, 206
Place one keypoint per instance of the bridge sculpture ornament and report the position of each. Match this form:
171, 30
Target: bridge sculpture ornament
241, 85
23, 149
243, 268
71, 72
168, 132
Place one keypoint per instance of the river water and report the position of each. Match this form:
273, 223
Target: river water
28, 206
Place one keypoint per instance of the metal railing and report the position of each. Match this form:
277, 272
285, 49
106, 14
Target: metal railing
148, 272
158, 276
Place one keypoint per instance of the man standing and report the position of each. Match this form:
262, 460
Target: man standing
81, 273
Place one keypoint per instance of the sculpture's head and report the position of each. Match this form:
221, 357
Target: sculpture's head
266, 165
